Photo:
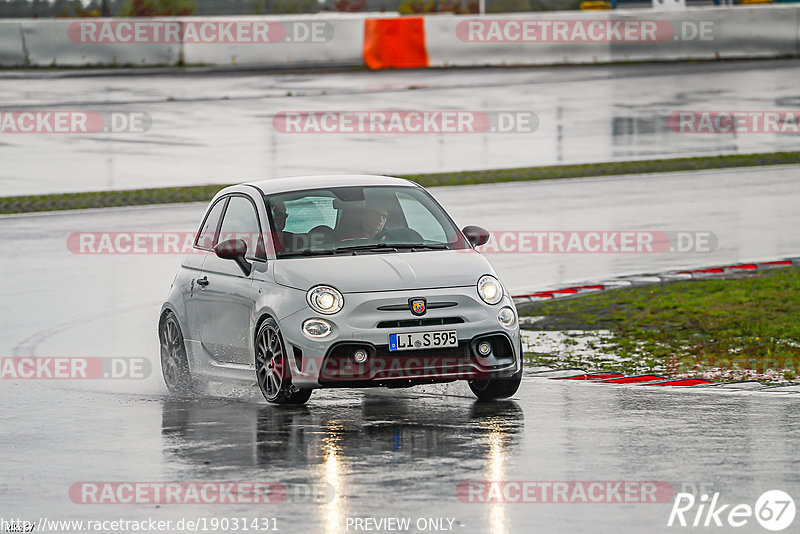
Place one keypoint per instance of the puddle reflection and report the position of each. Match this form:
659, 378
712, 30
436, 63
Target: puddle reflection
369, 454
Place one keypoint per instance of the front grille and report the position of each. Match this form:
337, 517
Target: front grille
461, 351
428, 321
405, 366
406, 306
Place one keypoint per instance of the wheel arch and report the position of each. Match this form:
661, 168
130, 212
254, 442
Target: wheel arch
162, 316
263, 316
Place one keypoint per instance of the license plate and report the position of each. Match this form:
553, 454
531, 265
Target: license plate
423, 340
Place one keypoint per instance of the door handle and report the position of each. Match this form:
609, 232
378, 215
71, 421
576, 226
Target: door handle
202, 281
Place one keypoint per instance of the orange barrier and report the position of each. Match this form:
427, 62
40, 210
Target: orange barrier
395, 43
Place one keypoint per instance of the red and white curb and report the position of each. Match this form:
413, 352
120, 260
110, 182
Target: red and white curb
646, 279
600, 377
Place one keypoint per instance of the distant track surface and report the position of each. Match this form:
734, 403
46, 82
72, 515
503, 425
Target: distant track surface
217, 127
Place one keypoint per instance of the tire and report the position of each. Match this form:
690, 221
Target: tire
272, 367
174, 360
496, 388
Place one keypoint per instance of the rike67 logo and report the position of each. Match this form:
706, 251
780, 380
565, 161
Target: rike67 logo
774, 510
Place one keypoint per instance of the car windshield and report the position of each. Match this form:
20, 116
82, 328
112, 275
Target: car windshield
359, 220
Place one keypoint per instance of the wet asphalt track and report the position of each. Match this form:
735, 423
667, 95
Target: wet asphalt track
398, 455
385, 453
218, 128
389, 453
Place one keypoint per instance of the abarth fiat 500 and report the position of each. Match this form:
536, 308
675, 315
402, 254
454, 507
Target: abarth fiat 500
337, 281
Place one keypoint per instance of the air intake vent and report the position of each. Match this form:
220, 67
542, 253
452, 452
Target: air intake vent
405, 307
298, 356
409, 323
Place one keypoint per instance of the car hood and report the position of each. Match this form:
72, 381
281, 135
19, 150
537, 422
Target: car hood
384, 272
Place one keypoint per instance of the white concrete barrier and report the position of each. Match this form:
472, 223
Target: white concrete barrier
94, 42
277, 41
12, 51
620, 35
544, 38
501, 40
761, 31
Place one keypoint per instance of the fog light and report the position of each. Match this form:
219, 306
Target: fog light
316, 328
360, 355
506, 317
484, 348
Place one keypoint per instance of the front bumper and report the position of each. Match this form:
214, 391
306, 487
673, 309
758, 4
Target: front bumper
361, 324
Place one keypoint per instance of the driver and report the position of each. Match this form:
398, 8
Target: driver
373, 224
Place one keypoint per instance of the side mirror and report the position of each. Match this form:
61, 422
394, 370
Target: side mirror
476, 235
234, 249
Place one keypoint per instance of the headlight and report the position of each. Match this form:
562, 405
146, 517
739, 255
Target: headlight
324, 299
506, 317
490, 290
316, 328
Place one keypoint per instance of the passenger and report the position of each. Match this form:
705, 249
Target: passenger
283, 240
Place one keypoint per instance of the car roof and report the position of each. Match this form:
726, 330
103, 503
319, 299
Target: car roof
299, 183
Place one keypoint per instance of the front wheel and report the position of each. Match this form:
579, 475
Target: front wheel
272, 367
496, 388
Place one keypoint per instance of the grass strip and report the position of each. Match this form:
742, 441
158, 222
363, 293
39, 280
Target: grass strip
202, 193
107, 199
612, 168
739, 327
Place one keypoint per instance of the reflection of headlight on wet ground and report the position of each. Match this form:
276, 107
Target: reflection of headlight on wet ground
332, 472
496, 468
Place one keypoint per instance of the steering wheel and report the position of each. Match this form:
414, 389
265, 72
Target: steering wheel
402, 235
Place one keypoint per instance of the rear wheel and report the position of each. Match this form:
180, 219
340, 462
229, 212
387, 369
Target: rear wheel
496, 388
174, 361
272, 367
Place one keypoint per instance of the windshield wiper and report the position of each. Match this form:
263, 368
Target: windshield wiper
430, 246
393, 247
306, 252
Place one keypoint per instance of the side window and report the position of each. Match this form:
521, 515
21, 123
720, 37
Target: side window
241, 222
206, 236
420, 219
